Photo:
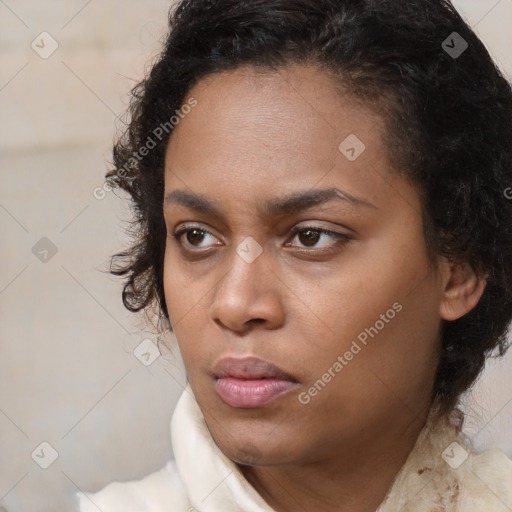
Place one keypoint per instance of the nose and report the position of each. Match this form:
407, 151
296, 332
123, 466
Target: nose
248, 294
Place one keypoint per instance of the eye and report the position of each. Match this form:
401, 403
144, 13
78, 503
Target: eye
309, 236
194, 236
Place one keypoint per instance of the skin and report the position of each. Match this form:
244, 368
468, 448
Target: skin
255, 136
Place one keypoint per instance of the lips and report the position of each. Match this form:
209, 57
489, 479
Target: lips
251, 382
249, 368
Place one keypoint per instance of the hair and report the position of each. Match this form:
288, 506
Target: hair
448, 118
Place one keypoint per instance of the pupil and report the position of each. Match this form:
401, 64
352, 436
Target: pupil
312, 238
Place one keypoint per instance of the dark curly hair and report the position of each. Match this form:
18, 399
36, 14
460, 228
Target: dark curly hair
448, 105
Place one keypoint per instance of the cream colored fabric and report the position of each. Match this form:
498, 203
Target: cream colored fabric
441, 474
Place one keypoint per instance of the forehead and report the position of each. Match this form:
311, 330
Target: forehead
280, 130
304, 96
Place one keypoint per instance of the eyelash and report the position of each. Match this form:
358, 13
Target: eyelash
340, 238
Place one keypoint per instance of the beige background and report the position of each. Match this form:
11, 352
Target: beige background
68, 376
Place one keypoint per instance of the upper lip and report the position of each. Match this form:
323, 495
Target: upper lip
249, 368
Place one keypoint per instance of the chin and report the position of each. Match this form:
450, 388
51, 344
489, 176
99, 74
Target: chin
255, 453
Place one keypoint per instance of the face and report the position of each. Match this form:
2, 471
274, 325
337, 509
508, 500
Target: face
332, 288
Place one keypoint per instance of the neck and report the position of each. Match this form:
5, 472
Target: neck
354, 479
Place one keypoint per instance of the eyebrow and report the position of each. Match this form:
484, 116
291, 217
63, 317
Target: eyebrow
290, 204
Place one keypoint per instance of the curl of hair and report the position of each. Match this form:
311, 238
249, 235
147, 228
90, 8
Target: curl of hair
448, 120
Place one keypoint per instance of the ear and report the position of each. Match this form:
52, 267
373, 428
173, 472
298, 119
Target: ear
462, 290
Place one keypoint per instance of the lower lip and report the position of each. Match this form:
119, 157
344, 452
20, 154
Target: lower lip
251, 393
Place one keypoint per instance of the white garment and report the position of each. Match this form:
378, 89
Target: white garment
203, 479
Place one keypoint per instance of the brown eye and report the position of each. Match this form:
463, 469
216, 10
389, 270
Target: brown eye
194, 236
309, 237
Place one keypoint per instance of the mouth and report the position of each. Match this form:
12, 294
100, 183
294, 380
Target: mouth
251, 382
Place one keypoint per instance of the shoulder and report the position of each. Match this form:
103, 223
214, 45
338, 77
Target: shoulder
156, 492
488, 482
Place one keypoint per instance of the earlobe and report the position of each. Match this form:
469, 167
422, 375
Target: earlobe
462, 291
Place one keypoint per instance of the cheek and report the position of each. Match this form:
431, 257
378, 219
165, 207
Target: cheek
387, 364
181, 293
186, 301
176, 297
171, 288
383, 297
351, 295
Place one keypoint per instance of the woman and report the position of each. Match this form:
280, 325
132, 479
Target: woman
321, 220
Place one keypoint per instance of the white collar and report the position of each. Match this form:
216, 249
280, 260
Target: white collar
213, 482
425, 483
